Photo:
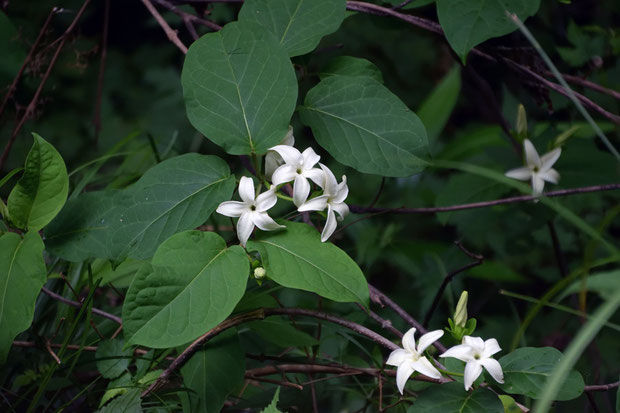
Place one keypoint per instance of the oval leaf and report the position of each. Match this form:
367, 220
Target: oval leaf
351, 66
298, 24
42, 190
527, 369
467, 23
240, 88
452, 398
297, 258
22, 274
364, 125
192, 284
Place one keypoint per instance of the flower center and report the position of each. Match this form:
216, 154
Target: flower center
477, 356
252, 207
299, 171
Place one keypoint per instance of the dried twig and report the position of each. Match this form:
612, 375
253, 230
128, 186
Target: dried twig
76, 304
172, 34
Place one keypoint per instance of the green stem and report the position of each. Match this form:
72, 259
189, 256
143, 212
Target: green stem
451, 373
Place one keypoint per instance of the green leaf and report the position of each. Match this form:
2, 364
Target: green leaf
42, 191
496, 271
117, 387
112, 360
175, 195
452, 398
240, 88
510, 405
467, 23
192, 284
527, 369
22, 274
298, 25
129, 402
364, 125
437, 108
604, 283
351, 66
297, 258
273, 406
213, 373
281, 333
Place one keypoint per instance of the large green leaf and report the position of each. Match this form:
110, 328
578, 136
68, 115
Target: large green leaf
240, 88
351, 66
22, 274
298, 24
192, 284
437, 108
452, 398
527, 369
112, 359
42, 191
175, 195
297, 258
467, 23
213, 373
364, 125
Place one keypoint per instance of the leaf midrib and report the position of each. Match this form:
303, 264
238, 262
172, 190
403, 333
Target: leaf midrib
21, 242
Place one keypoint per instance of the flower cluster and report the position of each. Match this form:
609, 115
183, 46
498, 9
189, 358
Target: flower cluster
475, 352
285, 164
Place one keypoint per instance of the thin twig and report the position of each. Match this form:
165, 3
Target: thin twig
76, 304
172, 34
189, 18
20, 72
479, 259
602, 387
522, 198
33, 103
278, 382
32, 344
579, 81
385, 324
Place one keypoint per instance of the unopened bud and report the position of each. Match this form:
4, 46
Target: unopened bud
259, 273
521, 122
460, 315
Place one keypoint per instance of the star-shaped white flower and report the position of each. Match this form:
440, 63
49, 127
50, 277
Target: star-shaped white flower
538, 168
252, 211
411, 358
333, 197
477, 353
273, 160
298, 167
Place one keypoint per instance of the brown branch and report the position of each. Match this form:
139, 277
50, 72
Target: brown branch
284, 383
385, 324
579, 81
20, 72
259, 315
33, 103
189, 18
602, 387
172, 34
522, 198
478, 260
32, 344
76, 304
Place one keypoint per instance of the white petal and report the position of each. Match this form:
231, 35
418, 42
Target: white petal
425, 367
408, 341
404, 371
538, 184
290, 155
462, 352
316, 175
285, 173
232, 208
550, 176
330, 224
301, 190
476, 343
315, 204
342, 190
245, 225
494, 369
472, 371
341, 209
246, 189
266, 200
397, 357
264, 221
310, 158
330, 181
491, 346
272, 162
523, 173
550, 158
531, 156
289, 139
428, 339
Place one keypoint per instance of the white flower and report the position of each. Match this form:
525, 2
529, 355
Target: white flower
477, 354
333, 197
411, 358
273, 160
297, 167
538, 168
251, 211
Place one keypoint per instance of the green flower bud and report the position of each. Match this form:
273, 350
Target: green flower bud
460, 315
259, 273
